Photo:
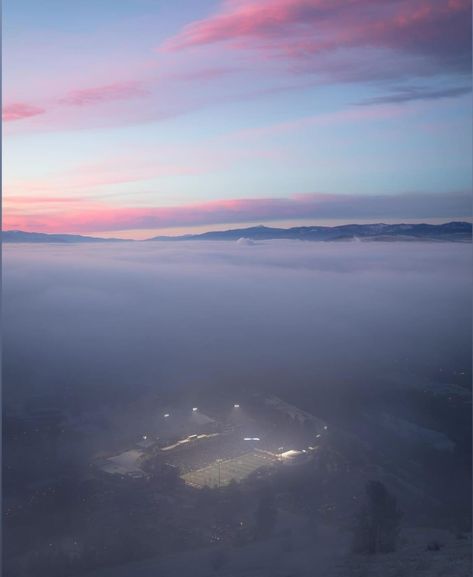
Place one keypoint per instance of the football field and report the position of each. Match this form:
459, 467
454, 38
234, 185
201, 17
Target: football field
220, 473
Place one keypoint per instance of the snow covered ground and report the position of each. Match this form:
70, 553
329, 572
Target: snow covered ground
323, 554
413, 558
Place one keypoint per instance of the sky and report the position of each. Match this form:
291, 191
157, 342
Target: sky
140, 117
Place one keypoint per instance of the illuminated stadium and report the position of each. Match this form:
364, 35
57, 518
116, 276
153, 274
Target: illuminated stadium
233, 443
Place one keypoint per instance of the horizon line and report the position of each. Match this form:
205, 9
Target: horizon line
463, 220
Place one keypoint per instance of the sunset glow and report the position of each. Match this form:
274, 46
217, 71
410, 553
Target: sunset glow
141, 117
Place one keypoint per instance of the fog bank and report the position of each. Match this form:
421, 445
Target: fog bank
126, 317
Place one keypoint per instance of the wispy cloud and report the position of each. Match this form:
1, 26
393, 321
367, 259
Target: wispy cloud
81, 97
322, 41
89, 177
19, 199
437, 33
412, 93
105, 93
303, 206
19, 111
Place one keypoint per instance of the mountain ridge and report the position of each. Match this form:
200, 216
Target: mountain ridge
451, 231
21, 236
455, 231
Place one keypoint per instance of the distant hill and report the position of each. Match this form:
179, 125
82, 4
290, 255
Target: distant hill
20, 236
448, 232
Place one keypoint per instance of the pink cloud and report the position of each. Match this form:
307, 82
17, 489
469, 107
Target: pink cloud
18, 199
239, 19
97, 218
439, 30
78, 98
20, 111
91, 177
105, 93
114, 103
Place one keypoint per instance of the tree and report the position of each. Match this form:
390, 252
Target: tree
378, 521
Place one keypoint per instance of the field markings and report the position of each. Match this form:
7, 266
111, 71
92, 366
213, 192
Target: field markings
223, 472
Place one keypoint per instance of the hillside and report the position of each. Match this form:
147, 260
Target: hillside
451, 231
20, 236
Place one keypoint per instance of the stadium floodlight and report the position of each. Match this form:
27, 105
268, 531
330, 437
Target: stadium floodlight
194, 409
236, 406
166, 415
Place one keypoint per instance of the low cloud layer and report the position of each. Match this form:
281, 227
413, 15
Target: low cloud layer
100, 217
96, 322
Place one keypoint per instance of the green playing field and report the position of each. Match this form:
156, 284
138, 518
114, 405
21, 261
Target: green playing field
220, 473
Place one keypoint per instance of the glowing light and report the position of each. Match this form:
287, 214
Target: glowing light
325, 427
236, 406
145, 437
252, 439
194, 409
166, 415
